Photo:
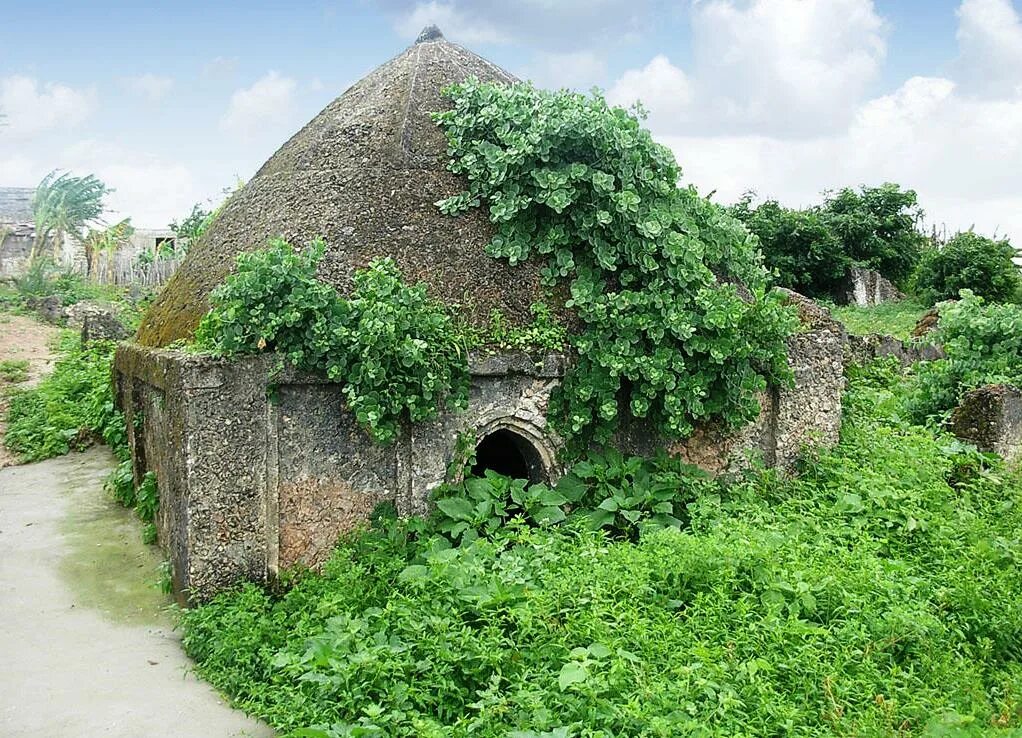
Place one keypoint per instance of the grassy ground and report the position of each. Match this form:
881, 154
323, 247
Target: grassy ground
878, 594
890, 318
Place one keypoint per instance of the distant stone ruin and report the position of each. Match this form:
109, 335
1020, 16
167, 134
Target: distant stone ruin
866, 287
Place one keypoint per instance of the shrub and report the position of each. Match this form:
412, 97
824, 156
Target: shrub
812, 249
70, 408
667, 334
982, 345
14, 370
607, 490
970, 262
798, 245
395, 351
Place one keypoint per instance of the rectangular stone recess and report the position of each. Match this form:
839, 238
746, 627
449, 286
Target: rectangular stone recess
330, 474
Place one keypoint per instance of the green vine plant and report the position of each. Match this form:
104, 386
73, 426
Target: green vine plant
394, 350
678, 326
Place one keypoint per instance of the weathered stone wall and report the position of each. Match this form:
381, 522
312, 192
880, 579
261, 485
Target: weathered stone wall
863, 349
328, 473
15, 248
251, 484
991, 417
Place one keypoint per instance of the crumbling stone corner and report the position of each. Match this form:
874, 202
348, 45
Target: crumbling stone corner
991, 418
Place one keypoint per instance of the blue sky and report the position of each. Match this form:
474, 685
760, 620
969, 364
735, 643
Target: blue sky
171, 103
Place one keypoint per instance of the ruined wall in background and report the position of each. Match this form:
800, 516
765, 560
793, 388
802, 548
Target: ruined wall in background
865, 287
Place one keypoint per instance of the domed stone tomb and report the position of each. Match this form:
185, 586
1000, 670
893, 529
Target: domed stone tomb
253, 481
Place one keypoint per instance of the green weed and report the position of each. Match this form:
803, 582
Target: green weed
70, 408
14, 371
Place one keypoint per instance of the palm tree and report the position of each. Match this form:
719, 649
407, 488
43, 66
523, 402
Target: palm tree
62, 205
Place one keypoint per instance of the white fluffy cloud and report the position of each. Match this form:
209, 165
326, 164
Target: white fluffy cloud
452, 21
785, 67
990, 42
152, 87
664, 89
260, 109
32, 107
778, 67
572, 69
791, 116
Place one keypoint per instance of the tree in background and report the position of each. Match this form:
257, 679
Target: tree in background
797, 245
63, 205
878, 228
970, 261
197, 221
194, 224
812, 249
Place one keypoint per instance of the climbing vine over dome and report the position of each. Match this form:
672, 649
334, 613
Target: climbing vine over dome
678, 324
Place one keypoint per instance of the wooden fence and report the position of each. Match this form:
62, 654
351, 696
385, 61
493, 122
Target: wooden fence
125, 269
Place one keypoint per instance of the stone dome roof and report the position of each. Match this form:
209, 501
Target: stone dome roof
365, 175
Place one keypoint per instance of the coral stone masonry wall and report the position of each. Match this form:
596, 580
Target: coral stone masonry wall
261, 470
991, 417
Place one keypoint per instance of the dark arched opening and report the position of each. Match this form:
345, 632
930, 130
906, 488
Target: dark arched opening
508, 453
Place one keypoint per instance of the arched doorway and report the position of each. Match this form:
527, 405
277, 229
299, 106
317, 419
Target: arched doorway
510, 454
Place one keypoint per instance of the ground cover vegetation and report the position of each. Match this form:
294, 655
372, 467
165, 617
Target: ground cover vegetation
896, 318
875, 594
71, 408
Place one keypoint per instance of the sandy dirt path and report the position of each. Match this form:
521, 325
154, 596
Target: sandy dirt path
87, 643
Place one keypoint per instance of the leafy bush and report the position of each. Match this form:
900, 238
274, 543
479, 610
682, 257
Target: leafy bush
607, 490
395, 351
653, 269
798, 245
483, 506
812, 249
876, 595
970, 262
982, 345
70, 408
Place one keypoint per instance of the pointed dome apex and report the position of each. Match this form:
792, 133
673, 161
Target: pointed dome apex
430, 33
364, 175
